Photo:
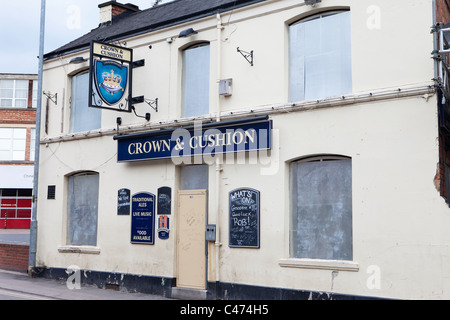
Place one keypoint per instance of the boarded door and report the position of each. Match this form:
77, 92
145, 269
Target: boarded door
191, 262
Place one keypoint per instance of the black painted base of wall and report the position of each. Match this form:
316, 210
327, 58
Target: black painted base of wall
163, 287
232, 291
115, 281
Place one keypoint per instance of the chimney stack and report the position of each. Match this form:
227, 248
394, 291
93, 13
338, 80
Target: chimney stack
111, 10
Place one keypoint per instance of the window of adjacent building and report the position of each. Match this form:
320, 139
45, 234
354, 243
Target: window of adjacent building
32, 144
83, 209
83, 118
196, 80
13, 93
320, 57
321, 209
13, 144
35, 95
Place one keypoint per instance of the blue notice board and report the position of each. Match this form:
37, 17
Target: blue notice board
143, 218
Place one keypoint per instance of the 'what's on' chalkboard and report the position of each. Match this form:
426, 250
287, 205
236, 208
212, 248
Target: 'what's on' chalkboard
244, 218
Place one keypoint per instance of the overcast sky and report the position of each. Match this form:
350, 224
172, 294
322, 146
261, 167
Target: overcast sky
66, 20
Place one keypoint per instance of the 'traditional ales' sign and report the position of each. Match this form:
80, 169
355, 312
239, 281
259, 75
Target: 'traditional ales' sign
110, 77
196, 141
143, 218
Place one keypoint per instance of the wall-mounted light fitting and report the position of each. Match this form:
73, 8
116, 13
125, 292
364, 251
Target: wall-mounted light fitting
187, 33
77, 60
118, 122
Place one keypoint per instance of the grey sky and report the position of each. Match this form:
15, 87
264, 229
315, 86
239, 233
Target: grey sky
66, 20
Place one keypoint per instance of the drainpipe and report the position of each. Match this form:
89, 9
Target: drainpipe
435, 42
219, 168
33, 224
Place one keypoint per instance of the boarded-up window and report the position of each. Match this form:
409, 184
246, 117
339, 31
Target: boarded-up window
196, 80
321, 206
83, 209
194, 177
320, 62
83, 118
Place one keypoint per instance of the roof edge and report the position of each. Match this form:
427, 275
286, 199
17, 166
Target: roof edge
150, 28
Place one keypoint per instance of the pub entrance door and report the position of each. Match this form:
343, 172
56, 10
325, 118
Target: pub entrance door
191, 244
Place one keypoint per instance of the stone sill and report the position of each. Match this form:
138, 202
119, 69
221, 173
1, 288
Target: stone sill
320, 264
79, 249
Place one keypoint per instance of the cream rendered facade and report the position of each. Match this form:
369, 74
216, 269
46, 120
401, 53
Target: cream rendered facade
388, 126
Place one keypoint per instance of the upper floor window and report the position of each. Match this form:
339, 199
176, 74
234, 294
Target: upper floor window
13, 93
13, 144
196, 80
321, 209
83, 118
320, 57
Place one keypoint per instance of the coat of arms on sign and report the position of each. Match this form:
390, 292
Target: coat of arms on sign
111, 80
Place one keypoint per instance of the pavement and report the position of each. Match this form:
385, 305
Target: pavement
15, 236
19, 286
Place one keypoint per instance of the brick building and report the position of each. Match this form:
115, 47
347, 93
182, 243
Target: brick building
17, 133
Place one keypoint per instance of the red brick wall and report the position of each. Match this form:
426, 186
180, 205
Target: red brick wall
443, 16
443, 11
17, 116
117, 10
14, 257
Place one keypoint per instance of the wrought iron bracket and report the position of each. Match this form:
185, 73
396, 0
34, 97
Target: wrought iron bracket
52, 97
247, 55
152, 103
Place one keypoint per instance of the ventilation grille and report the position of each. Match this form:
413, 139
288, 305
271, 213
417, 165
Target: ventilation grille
51, 192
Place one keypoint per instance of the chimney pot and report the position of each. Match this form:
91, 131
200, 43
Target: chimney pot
111, 9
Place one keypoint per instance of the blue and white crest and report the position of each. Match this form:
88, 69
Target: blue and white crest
111, 79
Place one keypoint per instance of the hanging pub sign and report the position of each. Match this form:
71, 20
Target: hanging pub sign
208, 139
143, 218
244, 222
110, 78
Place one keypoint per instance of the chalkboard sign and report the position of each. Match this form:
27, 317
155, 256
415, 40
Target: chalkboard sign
164, 200
143, 218
123, 202
244, 218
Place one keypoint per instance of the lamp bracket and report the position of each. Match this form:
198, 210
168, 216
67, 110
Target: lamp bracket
141, 99
138, 63
146, 117
247, 55
52, 97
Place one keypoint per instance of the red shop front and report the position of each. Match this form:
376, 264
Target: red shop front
15, 208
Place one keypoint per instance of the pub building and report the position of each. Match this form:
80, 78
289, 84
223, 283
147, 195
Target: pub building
250, 149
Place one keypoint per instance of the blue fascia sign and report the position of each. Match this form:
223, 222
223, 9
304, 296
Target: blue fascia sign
213, 138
